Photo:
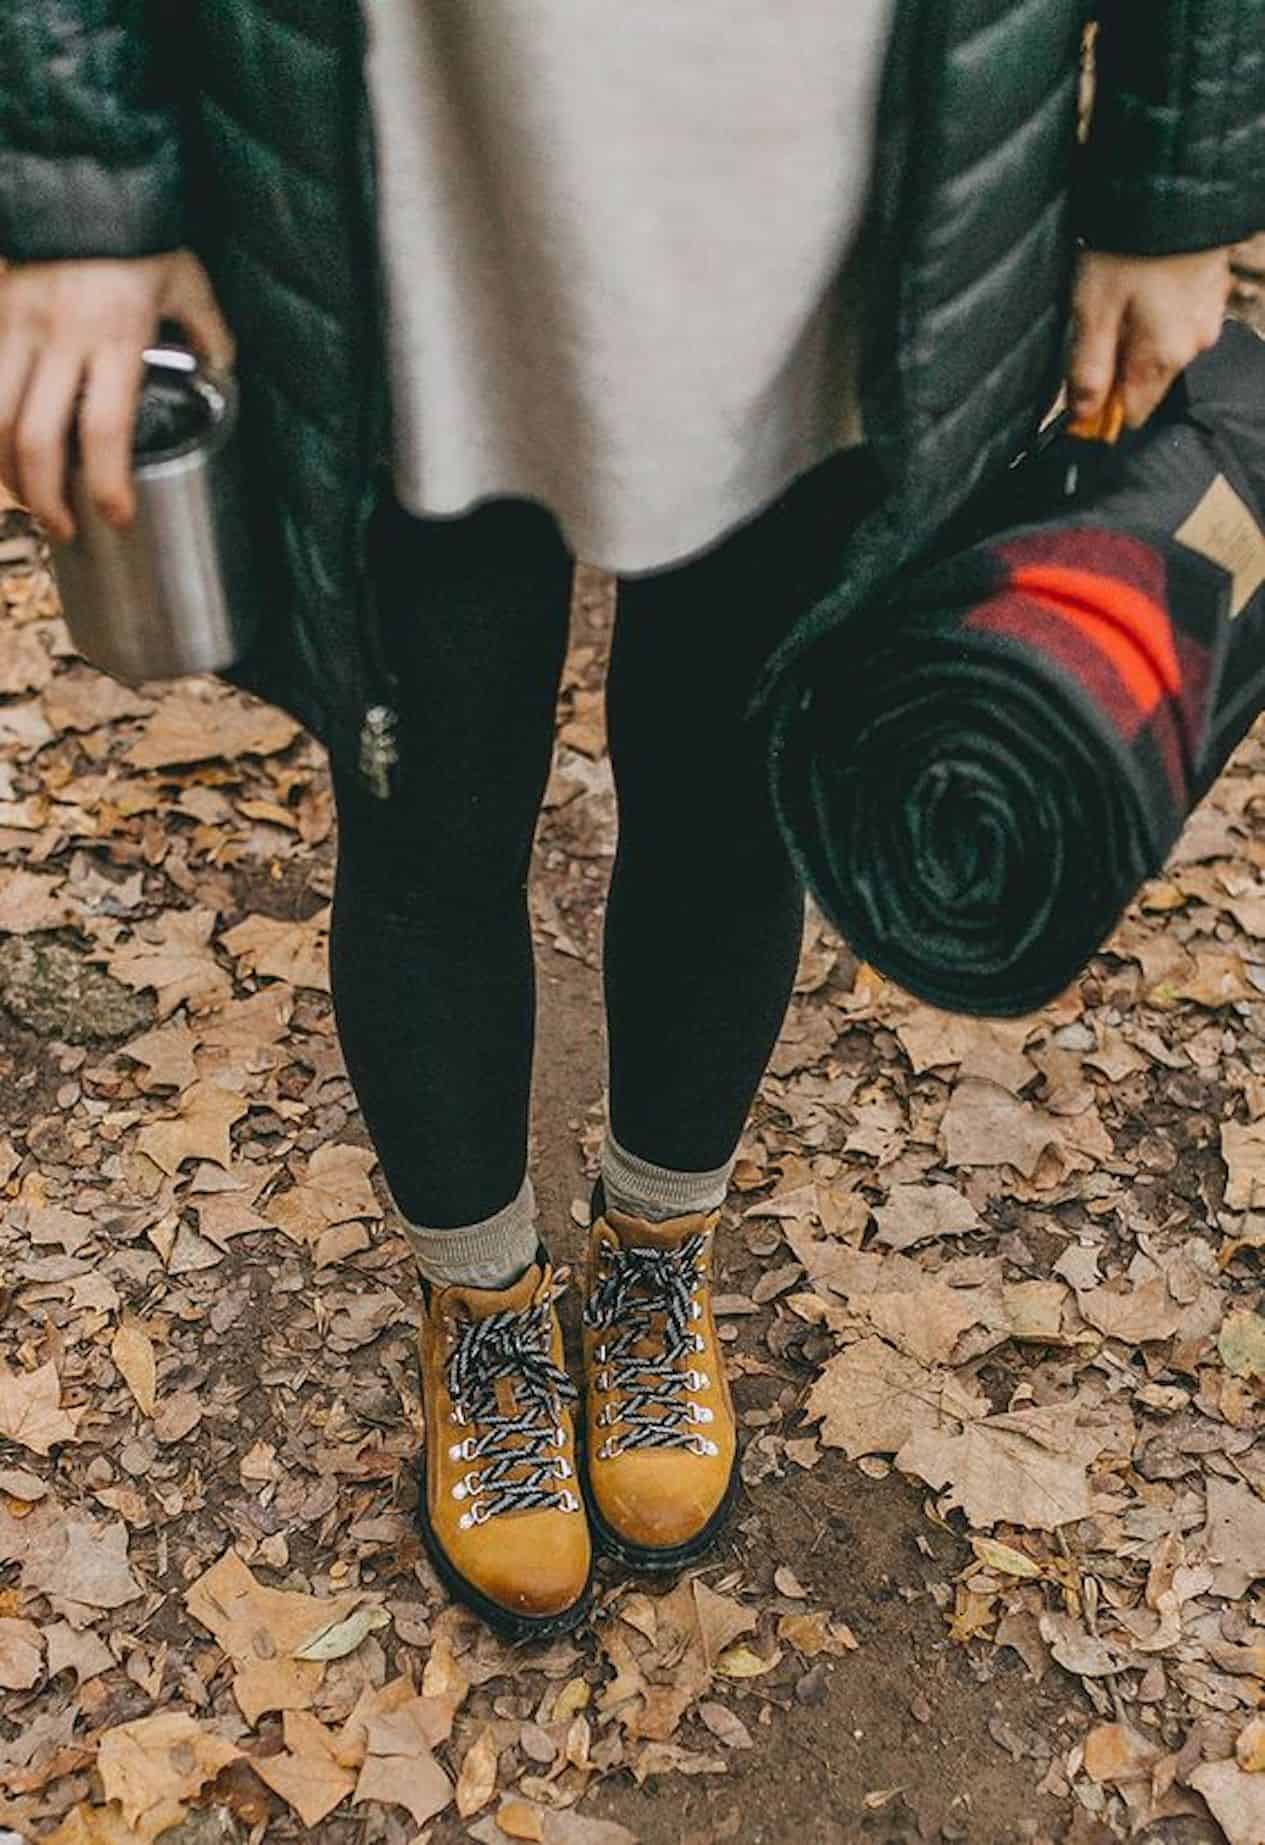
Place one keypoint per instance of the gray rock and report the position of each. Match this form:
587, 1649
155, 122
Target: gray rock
55, 990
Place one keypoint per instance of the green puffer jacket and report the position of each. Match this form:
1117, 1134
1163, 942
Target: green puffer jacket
241, 128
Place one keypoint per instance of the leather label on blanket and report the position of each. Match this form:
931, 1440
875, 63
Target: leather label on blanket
1224, 528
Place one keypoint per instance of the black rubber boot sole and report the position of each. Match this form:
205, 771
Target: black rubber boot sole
647, 1560
502, 1621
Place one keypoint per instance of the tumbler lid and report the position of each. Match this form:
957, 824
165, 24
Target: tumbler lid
179, 408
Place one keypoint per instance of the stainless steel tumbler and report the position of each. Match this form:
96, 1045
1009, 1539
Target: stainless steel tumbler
174, 593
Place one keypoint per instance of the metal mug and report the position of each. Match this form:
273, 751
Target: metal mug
174, 593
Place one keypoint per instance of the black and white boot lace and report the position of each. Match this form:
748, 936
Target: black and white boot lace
646, 1300
522, 1463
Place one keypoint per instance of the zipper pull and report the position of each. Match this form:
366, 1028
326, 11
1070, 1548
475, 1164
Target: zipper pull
379, 750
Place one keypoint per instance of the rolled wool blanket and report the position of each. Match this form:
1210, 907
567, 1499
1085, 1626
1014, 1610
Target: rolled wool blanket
976, 774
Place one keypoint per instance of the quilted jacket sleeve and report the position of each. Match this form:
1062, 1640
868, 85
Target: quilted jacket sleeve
89, 151
1176, 155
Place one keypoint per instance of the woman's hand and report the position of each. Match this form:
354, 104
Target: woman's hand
1138, 322
71, 339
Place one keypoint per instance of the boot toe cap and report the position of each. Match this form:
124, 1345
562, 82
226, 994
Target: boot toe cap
656, 1501
540, 1566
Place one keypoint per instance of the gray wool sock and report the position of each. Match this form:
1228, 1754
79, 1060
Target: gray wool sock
653, 1193
491, 1254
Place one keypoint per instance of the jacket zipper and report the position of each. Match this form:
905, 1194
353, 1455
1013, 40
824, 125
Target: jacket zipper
379, 748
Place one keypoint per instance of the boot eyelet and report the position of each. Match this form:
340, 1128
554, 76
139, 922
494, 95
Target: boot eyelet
568, 1503
477, 1515
700, 1344
696, 1312
697, 1380
699, 1412
599, 1352
559, 1436
562, 1470
603, 1380
466, 1487
461, 1450
699, 1444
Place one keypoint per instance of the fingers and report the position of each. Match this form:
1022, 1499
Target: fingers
106, 417
1143, 319
1148, 369
17, 359
1091, 376
44, 421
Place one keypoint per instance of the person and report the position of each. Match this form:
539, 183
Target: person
735, 303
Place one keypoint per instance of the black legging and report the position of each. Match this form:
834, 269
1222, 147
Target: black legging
431, 952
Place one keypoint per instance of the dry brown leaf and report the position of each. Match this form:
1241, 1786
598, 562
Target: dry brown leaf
874, 1399
1249, 1747
199, 1130
198, 723
175, 958
81, 699
84, 1654
1241, 1343
177, 1415
1119, 1754
334, 1190
132, 1351
720, 1620
400, 1768
25, 662
725, 1726
85, 1825
915, 1214
1004, 1559
297, 953
985, 1125
21, 1653
1085, 1654
166, 1055
156, 1764
1029, 1468
518, 1820
1243, 1150
1215, 980
926, 1322
811, 1634
30, 900
308, 1774
262, 1629
1237, 1800
1133, 1314
743, 1662
991, 1049
82, 1567
540, 1825
30, 1409
1234, 1536
476, 1783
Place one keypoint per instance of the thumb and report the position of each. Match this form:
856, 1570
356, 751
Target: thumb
190, 301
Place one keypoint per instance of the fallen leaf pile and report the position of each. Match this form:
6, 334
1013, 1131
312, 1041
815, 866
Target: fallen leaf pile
1017, 1267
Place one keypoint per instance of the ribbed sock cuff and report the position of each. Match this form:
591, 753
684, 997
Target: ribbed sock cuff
491, 1254
639, 1188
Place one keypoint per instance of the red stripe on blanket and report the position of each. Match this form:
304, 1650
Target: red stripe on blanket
1035, 625
1129, 627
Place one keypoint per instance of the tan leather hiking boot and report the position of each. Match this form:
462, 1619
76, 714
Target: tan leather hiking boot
500, 1509
660, 1441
